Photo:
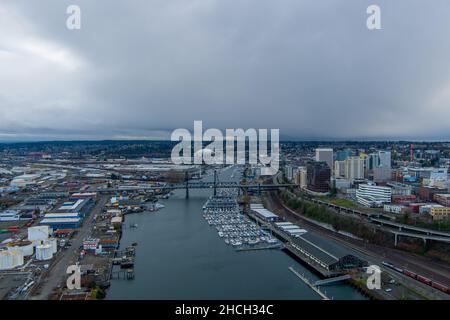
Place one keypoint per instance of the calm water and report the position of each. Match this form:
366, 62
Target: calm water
179, 256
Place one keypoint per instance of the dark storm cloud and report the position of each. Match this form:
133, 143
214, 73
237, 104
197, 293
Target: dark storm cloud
142, 68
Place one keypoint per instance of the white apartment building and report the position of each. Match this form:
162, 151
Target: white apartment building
354, 168
339, 169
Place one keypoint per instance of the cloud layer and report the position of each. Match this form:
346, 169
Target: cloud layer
139, 69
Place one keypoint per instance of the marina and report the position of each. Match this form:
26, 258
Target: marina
181, 256
223, 213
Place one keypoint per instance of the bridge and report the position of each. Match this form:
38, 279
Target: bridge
187, 185
395, 228
344, 209
332, 280
422, 236
418, 230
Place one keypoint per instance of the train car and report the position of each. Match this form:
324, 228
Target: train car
398, 269
410, 274
387, 264
424, 280
440, 287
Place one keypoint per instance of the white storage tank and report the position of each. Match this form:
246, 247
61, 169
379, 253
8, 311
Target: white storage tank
38, 233
53, 244
44, 252
26, 247
10, 259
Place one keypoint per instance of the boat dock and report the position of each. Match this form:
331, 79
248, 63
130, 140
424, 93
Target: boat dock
123, 274
309, 283
264, 247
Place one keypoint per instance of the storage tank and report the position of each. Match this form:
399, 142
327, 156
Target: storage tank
38, 233
53, 244
44, 252
10, 259
26, 247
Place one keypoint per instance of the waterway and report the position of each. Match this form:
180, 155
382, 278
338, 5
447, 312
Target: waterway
179, 256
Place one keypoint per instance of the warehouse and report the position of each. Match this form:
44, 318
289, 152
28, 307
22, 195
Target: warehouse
263, 213
62, 223
326, 254
60, 215
81, 206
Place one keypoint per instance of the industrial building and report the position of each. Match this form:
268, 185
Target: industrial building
290, 228
81, 206
262, 213
62, 223
326, 254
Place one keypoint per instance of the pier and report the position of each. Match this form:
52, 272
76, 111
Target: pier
293, 251
264, 247
123, 274
311, 285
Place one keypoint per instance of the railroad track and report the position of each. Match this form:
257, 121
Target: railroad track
377, 254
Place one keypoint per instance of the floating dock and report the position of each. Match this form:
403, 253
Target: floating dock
311, 285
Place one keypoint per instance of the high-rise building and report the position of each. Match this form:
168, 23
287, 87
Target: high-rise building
354, 168
339, 169
301, 177
289, 170
385, 158
318, 176
341, 155
382, 174
325, 154
372, 161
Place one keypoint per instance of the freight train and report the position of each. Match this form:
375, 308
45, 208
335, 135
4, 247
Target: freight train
418, 277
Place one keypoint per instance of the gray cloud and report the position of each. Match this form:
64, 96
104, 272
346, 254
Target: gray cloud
142, 68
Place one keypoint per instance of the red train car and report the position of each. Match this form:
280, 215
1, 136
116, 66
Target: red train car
410, 274
440, 287
424, 280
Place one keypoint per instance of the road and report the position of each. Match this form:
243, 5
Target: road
438, 271
56, 274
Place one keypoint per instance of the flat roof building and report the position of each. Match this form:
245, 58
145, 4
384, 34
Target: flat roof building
326, 254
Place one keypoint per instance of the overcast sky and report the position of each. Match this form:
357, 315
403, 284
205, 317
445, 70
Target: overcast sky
141, 68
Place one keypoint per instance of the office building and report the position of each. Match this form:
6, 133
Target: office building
385, 158
318, 176
370, 195
325, 154
440, 213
